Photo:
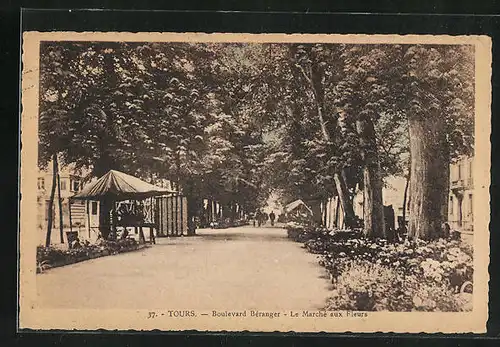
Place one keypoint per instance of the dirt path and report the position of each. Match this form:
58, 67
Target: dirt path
236, 268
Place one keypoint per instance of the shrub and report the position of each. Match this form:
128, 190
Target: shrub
49, 256
401, 276
373, 287
119, 246
438, 260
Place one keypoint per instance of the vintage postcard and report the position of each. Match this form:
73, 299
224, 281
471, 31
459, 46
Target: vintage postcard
255, 182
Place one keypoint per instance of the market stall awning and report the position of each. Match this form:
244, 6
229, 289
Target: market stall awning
296, 204
116, 185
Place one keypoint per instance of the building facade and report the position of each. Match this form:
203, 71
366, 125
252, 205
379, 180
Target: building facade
460, 204
461, 196
461, 200
70, 184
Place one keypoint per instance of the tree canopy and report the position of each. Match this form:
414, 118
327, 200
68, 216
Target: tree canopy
233, 121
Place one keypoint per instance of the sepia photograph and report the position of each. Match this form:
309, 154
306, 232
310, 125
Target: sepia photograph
255, 182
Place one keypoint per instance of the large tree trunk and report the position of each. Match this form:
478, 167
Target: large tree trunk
102, 165
232, 211
316, 210
345, 201
349, 187
51, 200
107, 146
104, 218
325, 213
59, 200
429, 182
405, 203
373, 207
337, 208
192, 213
314, 76
213, 211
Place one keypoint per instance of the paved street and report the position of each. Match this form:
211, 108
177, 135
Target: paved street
236, 268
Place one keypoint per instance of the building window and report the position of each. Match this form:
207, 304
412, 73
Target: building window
41, 183
63, 184
460, 171
94, 208
75, 185
451, 205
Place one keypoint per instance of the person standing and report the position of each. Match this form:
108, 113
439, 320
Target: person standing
258, 216
272, 217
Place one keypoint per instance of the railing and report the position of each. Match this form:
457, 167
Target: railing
461, 183
464, 226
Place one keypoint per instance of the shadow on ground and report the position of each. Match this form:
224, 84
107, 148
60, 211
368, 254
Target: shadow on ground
175, 242
240, 236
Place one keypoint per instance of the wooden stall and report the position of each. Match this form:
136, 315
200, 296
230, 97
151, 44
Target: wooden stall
171, 215
115, 187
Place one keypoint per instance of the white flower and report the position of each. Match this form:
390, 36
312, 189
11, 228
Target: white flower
417, 301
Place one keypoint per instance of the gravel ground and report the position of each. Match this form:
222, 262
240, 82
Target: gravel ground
236, 268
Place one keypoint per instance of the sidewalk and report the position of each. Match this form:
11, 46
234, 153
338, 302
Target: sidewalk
235, 268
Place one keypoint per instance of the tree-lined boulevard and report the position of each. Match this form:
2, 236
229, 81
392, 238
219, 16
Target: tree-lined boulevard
231, 125
236, 268
233, 122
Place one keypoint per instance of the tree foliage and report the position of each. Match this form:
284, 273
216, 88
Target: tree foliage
232, 122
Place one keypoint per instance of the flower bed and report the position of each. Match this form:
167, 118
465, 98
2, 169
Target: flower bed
227, 223
49, 257
232, 224
377, 275
316, 239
